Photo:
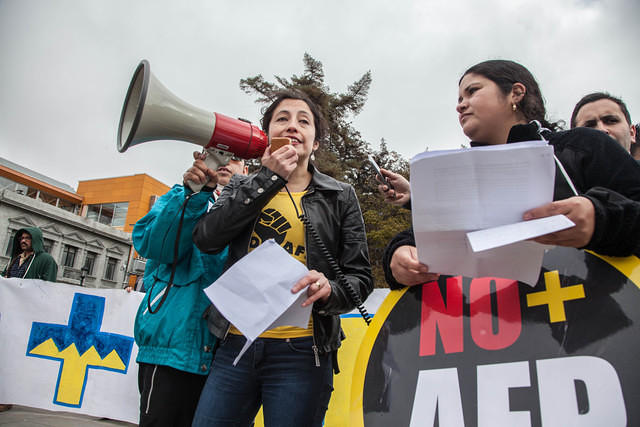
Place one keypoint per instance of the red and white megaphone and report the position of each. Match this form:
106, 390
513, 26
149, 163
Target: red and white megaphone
151, 112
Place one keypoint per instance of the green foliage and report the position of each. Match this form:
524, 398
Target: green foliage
343, 154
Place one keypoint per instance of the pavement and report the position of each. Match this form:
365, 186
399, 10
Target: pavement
23, 416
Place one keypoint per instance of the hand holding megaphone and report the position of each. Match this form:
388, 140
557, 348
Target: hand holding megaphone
199, 173
151, 113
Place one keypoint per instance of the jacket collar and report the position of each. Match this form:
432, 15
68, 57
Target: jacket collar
321, 181
519, 133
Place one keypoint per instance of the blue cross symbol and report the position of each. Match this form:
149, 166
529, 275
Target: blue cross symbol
78, 346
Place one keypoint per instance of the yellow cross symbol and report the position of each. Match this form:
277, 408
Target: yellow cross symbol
554, 296
73, 372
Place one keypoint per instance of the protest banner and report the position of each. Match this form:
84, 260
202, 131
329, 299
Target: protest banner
496, 352
68, 348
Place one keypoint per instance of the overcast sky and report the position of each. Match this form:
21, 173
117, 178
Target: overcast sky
65, 66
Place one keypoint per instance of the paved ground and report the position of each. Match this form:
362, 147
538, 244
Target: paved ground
22, 416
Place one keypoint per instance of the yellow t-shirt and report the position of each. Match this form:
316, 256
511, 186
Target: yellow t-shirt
278, 221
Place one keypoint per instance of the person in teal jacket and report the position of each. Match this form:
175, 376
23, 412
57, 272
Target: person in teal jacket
175, 345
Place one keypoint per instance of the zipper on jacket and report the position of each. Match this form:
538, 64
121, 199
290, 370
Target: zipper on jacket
315, 353
29, 266
314, 347
227, 331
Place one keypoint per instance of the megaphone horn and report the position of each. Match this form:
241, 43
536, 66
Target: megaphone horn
151, 112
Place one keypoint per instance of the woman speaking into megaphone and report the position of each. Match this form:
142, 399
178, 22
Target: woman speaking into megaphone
288, 370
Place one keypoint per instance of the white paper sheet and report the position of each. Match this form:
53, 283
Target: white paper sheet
494, 237
457, 191
255, 293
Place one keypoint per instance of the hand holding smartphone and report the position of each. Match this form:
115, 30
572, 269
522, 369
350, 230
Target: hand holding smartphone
381, 177
277, 142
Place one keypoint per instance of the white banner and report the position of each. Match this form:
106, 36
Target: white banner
68, 348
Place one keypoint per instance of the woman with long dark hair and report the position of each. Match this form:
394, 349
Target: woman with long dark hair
287, 370
500, 102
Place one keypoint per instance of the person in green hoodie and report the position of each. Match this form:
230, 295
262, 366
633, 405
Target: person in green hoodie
29, 260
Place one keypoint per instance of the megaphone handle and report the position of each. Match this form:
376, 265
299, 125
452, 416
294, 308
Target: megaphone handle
214, 159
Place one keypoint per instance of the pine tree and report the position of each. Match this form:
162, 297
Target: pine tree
343, 155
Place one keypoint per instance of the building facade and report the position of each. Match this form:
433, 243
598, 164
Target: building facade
87, 232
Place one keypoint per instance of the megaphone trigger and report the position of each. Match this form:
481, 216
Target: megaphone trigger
213, 159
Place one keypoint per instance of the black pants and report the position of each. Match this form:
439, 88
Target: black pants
168, 397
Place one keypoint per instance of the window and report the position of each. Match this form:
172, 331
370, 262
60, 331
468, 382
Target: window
90, 262
32, 192
68, 206
120, 214
69, 255
113, 214
110, 271
48, 198
48, 245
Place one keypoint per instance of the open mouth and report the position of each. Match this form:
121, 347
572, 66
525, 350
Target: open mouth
223, 169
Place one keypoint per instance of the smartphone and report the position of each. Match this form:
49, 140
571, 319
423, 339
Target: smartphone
381, 177
277, 142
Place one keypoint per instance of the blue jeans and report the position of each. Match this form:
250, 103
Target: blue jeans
280, 374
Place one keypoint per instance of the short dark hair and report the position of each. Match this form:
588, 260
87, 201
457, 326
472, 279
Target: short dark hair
318, 119
505, 73
597, 96
635, 145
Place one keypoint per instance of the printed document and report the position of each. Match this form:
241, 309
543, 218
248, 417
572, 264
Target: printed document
454, 192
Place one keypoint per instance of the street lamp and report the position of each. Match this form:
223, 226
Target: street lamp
83, 274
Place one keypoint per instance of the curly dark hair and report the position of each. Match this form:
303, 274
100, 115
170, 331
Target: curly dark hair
505, 73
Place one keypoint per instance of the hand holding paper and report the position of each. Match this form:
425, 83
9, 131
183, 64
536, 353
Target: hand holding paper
255, 293
503, 235
484, 190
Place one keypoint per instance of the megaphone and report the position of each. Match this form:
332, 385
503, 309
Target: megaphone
151, 112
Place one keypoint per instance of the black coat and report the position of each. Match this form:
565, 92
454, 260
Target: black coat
332, 208
600, 170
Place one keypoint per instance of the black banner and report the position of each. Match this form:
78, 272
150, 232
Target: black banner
496, 352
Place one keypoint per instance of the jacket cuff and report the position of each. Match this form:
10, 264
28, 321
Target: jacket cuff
600, 219
401, 239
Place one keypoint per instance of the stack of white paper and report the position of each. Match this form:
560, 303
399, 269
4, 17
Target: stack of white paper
457, 191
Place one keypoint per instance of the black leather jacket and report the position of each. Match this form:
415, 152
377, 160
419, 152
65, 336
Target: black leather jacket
600, 170
332, 208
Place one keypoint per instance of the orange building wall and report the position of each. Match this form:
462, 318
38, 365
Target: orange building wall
135, 189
